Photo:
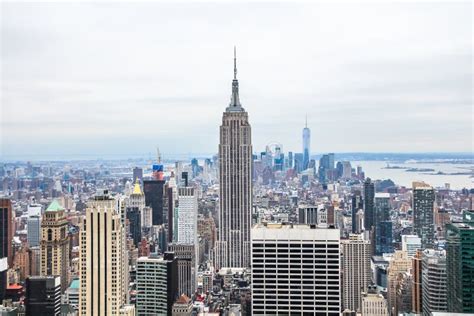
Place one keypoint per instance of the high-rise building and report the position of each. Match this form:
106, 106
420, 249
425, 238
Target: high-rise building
416, 271
103, 267
3, 277
34, 230
460, 264
433, 282
235, 184
6, 230
356, 270
326, 168
306, 145
133, 215
295, 269
410, 244
369, 208
404, 293
373, 304
400, 263
346, 170
357, 204
43, 296
137, 174
154, 194
157, 287
423, 216
137, 199
308, 215
55, 243
383, 224
187, 216
186, 260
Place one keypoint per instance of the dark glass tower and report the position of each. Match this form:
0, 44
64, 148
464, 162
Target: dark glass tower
460, 264
423, 217
43, 296
154, 194
6, 230
369, 209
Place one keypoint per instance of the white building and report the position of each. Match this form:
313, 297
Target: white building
410, 243
374, 304
187, 216
295, 269
356, 270
434, 287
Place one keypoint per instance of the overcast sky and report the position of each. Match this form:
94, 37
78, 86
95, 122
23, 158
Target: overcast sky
118, 79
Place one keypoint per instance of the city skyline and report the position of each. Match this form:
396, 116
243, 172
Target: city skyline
62, 81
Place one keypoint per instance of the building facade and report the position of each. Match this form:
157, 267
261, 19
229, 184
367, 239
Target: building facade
235, 184
6, 230
103, 259
356, 271
43, 296
434, 295
423, 213
55, 243
295, 270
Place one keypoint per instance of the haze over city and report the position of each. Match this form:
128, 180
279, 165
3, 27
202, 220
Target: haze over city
116, 80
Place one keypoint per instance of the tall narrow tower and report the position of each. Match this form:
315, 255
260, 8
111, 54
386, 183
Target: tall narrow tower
235, 178
306, 144
55, 244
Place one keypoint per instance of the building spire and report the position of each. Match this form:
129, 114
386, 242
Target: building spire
306, 121
234, 99
235, 64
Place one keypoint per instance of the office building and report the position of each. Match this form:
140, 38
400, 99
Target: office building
154, 195
103, 267
373, 304
157, 287
308, 215
410, 244
33, 230
3, 277
295, 269
6, 230
72, 294
356, 273
400, 263
235, 184
383, 224
183, 306
43, 296
434, 282
403, 300
186, 261
416, 271
137, 174
34, 210
187, 216
133, 215
460, 264
306, 145
369, 207
326, 168
357, 204
55, 243
423, 216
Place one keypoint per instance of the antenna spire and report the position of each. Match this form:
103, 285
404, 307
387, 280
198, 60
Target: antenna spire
235, 63
306, 121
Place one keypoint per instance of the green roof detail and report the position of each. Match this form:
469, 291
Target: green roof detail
54, 206
74, 284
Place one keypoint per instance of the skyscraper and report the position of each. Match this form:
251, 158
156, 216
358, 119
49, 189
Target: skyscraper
43, 296
103, 267
369, 209
154, 194
33, 230
55, 244
157, 287
187, 216
6, 230
460, 264
423, 216
383, 224
400, 263
295, 270
235, 179
356, 270
306, 145
434, 281
357, 204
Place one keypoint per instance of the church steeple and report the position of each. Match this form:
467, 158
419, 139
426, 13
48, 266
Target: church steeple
234, 99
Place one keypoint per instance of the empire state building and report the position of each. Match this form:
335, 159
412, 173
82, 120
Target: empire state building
235, 179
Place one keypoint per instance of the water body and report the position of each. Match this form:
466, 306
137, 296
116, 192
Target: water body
376, 170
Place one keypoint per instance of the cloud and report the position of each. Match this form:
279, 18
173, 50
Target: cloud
120, 77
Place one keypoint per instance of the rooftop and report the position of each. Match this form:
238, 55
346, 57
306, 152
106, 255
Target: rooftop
54, 206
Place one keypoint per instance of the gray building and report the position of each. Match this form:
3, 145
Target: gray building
434, 295
33, 230
235, 179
